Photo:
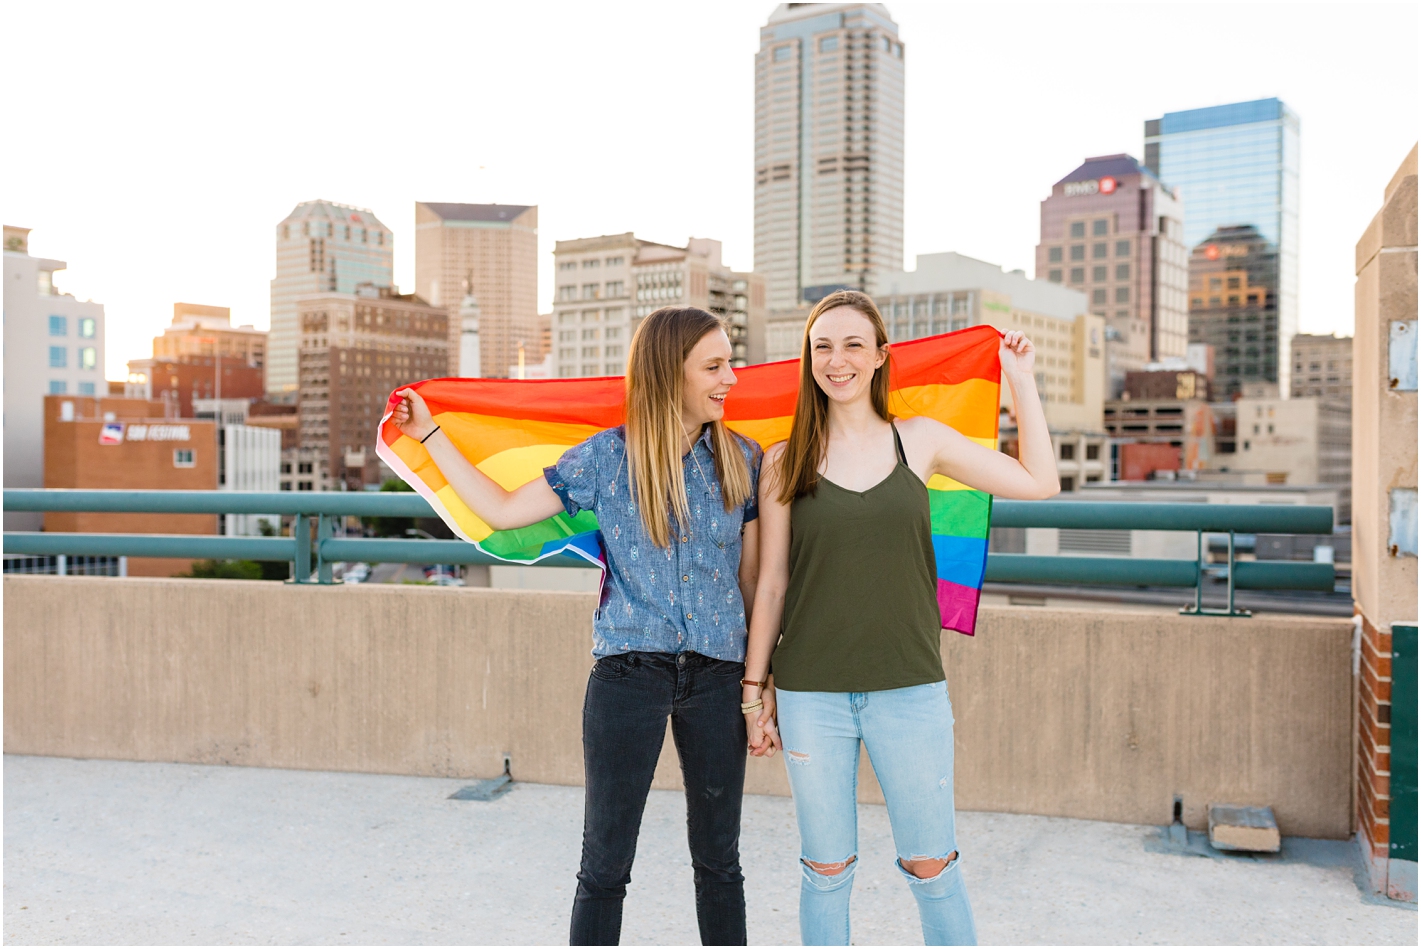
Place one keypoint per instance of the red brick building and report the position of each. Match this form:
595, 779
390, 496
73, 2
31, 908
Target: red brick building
128, 443
176, 382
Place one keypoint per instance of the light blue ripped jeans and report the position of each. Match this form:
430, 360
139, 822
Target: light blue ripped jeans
908, 734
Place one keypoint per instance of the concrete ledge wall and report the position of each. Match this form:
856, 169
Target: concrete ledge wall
1076, 713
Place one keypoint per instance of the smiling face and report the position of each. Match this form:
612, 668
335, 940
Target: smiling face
708, 378
844, 354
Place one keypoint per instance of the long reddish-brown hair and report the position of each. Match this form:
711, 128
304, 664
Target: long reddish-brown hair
798, 471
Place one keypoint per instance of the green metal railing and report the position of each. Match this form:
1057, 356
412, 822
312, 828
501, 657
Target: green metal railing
321, 510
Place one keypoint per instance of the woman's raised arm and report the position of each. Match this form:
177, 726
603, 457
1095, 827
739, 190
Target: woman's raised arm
1033, 476
502, 510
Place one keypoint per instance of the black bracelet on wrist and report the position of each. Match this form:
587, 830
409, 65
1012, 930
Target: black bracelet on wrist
429, 436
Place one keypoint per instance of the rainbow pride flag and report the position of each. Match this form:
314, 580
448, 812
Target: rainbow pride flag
512, 429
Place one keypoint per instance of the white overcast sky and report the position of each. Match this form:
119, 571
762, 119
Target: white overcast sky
155, 147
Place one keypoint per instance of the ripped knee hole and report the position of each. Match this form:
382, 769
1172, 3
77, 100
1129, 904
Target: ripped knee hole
798, 757
829, 869
925, 868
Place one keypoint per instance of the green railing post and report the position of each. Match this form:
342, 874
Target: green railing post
323, 534
1199, 585
301, 531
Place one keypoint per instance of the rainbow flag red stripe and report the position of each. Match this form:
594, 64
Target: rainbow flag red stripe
512, 429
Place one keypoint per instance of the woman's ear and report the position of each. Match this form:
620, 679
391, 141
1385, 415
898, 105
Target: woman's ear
882, 355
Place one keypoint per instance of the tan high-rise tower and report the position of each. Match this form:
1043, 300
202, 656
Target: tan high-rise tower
321, 247
491, 252
828, 150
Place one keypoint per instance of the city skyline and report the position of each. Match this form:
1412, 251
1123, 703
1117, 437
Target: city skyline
980, 154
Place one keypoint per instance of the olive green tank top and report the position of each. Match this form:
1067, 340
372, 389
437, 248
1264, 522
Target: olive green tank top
861, 611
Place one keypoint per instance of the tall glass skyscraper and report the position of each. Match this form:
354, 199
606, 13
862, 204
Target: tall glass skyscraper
1237, 166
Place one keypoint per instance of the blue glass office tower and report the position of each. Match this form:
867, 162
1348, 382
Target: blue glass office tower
1237, 166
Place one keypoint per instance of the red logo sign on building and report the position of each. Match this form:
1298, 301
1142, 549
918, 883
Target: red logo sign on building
1108, 185
111, 434
1211, 252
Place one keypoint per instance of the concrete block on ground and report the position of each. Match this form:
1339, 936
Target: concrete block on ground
1234, 827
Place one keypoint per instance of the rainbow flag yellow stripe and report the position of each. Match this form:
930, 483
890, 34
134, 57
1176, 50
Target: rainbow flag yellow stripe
512, 429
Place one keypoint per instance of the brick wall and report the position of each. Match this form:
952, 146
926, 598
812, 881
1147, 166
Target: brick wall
1374, 739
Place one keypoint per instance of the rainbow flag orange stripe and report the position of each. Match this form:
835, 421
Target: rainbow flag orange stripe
512, 429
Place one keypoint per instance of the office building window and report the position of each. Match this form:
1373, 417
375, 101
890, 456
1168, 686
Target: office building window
615, 261
1078, 229
87, 327
589, 316
1122, 248
305, 486
1100, 228
1122, 271
1068, 451
589, 352
58, 387
1122, 294
88, 357
567, 292
589, 369
590, 333
1077, 275
59, 326
590, 263
615, 288
1054, 255
1068, 483
304, 467
58, 357
1054, 276
1098, 273
567, 265
567, 352
566, 317
613, 369
1098, 296
183, 458
1078, 252
589, 290
1100, 250
1092, 453
828, 44
86, 388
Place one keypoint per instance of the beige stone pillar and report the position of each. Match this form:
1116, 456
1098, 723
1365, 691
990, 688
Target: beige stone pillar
1383, 471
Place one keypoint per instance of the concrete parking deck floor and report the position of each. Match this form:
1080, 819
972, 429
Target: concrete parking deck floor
122, 852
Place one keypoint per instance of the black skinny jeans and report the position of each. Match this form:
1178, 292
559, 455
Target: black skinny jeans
623, 727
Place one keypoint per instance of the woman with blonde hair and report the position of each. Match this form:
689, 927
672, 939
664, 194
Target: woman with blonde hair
675, 496
847, 609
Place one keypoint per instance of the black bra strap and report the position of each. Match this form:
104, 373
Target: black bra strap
898, 444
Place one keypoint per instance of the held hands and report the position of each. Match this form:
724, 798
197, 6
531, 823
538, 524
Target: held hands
762, 734
1017, 353
411, 415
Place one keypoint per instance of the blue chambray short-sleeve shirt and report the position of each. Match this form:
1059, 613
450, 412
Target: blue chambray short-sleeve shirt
685, 598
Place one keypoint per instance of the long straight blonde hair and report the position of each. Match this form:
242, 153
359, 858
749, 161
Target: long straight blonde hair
656, 375
798, 472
